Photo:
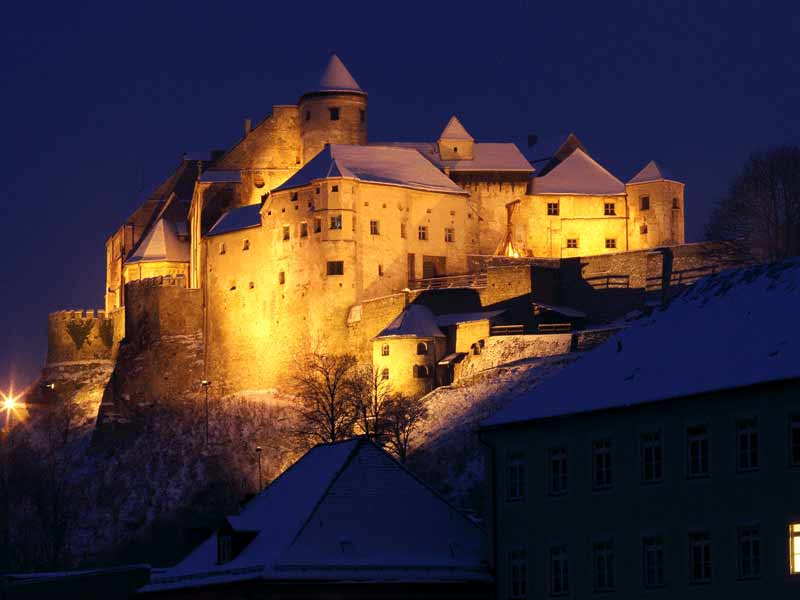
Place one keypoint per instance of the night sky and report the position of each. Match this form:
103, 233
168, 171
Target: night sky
99, 101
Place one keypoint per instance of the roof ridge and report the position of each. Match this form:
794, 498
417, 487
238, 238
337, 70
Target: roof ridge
454, 130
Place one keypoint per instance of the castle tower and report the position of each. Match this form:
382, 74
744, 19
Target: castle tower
334, 113
655, 209
455, 142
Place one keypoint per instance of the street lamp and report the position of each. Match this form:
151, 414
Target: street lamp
206, 384
258, 452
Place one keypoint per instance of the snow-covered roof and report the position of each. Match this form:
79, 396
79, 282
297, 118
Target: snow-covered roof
344, 511
578, 174
243, 217
651, 172
454, 130
729, 330
336, 78
486, 156
161, 244
387, 165
415, 321
220, 177
455, 318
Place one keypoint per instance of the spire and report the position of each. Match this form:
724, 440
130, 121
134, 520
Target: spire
336, 78
455, 131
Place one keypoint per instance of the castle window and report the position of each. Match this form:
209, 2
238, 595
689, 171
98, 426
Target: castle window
644, 203
572, 242
552, 209
335, 267
303, 229
422, 233
245, 245
380, 270
334, 188
385, 350
258, 181
421, 371
334, 110
449, 234
643, 229
374, 228
611, 243
455, 149
336, 222
403, 230
700, 557
308, 115
316, 191
222, 248
675, 203
317, 225
294, 196
281, 278
610, 209
385, 375
422, 348
285, 232
362, 115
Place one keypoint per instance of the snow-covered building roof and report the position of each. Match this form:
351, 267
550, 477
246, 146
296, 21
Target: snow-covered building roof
162, 243
578, 174
651, 172
486, 156
454, 130
415, 321
404, 167
336, 78
220, 177
236, 219
729, 330
344, 511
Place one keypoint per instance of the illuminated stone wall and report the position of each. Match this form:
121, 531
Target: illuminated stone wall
160, 268
274, 143
83, 335
662, 223
403, 362
317, 128
159, 307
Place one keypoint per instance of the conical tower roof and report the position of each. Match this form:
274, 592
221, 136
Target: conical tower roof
161, 244
336, 78
651, 172
455, 131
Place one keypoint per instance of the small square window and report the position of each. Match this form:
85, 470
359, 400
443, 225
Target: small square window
385, 350
552, 208
572, 242
610, 209
403, 230
334, 110
374, 228
643, 229
335, 267
611, 243
334, 188
281, 278
303, 229
317, 225
336, 222
286, 231
644, 203
245, 245
422, 233
449, 234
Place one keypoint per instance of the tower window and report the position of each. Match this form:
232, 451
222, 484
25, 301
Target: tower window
245, 245
675, 203
308, 115
552, 209
572, 242
374, 228
611, 243
385, 350
610, 209
362, 115
336, 222
281, 278
643, 229
334, 113
286, 231
455, 149
644, 203
303, 229
422, 348
335, 267
334, 188
449, 234
403, 230
316, 191
422, 233
222, 248
380, 270
421, 371
294, 196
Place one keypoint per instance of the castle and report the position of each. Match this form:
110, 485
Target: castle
305, 235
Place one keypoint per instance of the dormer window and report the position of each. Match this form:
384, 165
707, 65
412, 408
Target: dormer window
334, 113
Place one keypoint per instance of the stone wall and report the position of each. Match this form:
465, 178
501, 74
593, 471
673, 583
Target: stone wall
159, 307
500, 350
83, 335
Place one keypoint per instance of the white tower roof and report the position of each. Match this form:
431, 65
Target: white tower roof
336, 78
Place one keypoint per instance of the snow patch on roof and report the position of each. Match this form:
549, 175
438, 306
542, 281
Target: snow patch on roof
162, 243
486, 156
336, 78
729, 330
415, 321
578, 174
651, 172
454, 130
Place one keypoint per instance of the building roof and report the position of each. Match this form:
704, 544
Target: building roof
578, 174
415, 321
486, 156
343, 511
454, 130
729, 330
220, 177
547, 152
386, 165
651, 172
161, 243
236, 219
336, 78
455, 318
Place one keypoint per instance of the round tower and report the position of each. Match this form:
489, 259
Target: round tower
334, 113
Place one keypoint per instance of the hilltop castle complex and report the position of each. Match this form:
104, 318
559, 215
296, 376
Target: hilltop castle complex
307, 235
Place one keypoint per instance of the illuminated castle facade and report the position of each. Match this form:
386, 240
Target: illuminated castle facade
306, 235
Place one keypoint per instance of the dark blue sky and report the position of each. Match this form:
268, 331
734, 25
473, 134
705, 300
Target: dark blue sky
98, 96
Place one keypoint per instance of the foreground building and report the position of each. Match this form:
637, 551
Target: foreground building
345, 521
667, 461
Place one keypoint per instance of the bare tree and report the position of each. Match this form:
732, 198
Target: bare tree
760, 214
374, 392
404, 414
327, 386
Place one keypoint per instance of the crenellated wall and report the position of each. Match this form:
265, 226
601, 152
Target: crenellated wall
160, 307
83, 335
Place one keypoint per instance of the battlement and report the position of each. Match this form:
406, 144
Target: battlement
83, 335
161, 306
179, 280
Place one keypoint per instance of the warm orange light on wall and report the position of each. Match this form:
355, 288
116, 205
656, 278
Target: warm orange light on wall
794, 549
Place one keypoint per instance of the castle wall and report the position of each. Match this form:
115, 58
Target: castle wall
272, 144
161, 307
161, 268
83, 335
467, 334
507, 283
488, 199
317, 128
662, 223
402, 360
368, 319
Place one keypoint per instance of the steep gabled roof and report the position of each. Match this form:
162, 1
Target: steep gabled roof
486, 156
578, 174
161, 244
415, 321
243, 217
730, 330
387, 165
454, 130
336, 78
651, 172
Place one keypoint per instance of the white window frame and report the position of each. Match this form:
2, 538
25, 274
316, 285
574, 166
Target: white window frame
700, 549
558, 570
603, 565
558, 454
747, 444
748, 551
602, 464
515, 477
653, 549
517, 572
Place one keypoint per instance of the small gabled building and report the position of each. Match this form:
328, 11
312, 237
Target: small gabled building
345, 521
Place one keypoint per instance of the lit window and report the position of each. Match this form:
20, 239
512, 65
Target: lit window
644, 203
700, 557
552, 208
559, 571
334, 188
224, 549
385, 374
449, 234
518, 573
374, 228
335, 267
385, 350
336, 222
245, 245
303, 230
747, 444
611, 243
651, 451
422, 348
317, 225
603, 566
222, 248
572, 242
643, 229
653, 561
403, 230
601, 464
281, 278
286, 232
697, 451
794, 549
515, 477
794, 439
422, 233
749, 552
610, 209
557, 471
334, 110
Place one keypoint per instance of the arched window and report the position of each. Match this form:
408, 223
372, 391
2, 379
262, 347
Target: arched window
385, 350
421, 371
422, 348
385, 374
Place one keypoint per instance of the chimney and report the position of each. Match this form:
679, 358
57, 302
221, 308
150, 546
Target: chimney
247, 124
532, 139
